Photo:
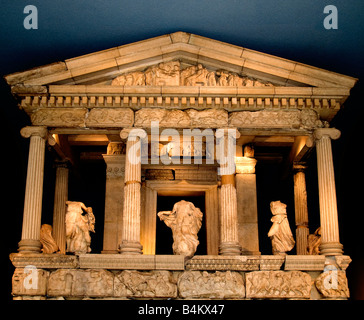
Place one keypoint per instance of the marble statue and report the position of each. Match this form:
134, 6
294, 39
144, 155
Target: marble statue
49, 245
185, 220
313, 242
280, 232
78, 227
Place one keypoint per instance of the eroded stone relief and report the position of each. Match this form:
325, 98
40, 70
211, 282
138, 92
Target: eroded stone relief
217, 285
35, 283
172, 73
76, 282
278, 284
154, 284
209, 118
333, 284
292, 119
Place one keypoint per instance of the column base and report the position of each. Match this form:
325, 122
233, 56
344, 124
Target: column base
331, 249
29, 245
130, 247
230, 249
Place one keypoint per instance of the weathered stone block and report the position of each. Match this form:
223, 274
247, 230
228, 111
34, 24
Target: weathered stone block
278, 284
81, 283
211, 118
218, 285
110, 117
30, 281
304, 262
154, 284
333, 284
223, 263
271, 262
292, 119
44, 260
59, 117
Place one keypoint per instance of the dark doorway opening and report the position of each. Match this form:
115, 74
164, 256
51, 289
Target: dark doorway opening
164, 238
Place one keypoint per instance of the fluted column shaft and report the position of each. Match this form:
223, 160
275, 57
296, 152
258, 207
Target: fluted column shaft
330, 242
131, 209
33, 190
59, 210
301, 211
229, 241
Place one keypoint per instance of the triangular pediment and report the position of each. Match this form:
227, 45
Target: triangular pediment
189, 50
183, 70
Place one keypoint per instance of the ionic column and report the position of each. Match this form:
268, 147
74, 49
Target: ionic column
229, 241
131, 210
330, 242
301, 212
33, 190
59, 210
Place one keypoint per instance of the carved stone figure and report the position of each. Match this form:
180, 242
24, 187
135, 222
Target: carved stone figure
313, 242
80, 283
199, 77
154, 284
167, 73
209, 118
278, 284
218, 285
116, 148
280, 232
185, 220
78, 227
49, 245
171, 74
290, 119
130, 79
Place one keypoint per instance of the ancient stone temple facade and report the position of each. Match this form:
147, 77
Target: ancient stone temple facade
179, 116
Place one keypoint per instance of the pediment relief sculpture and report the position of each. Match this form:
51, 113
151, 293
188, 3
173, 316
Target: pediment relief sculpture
172, 73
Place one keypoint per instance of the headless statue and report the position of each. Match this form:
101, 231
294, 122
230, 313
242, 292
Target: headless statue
78, 227
185, 220
280, 233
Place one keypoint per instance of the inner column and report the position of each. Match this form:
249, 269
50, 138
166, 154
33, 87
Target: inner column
229, 242
131, 210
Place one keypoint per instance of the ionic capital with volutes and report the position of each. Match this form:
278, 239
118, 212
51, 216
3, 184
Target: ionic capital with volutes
318, 134
333, 133
30, 131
